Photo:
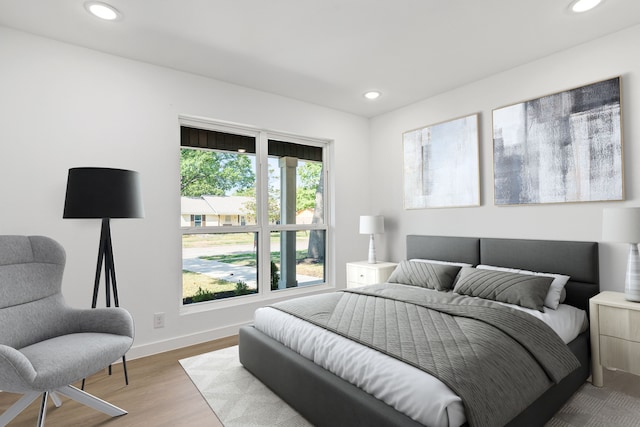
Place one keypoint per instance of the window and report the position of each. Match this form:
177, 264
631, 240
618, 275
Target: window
263, 197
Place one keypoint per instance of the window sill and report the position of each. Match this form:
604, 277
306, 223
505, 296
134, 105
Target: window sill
257, 299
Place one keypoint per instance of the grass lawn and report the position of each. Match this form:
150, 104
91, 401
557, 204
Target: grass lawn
192, 281
206, 240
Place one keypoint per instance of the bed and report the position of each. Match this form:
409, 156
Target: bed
326, 399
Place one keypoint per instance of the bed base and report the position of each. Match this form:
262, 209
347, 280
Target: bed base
324, 399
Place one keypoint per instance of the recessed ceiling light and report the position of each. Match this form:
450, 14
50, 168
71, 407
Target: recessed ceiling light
372, 94
579, 6
102, 10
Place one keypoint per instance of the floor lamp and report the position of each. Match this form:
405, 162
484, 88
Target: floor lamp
104, 193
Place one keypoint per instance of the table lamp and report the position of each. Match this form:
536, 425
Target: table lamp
372, 224
623, 225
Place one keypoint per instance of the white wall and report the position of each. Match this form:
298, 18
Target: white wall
63, 106
607, 57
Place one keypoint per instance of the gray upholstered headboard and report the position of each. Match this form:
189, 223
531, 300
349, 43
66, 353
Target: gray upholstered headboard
576, 259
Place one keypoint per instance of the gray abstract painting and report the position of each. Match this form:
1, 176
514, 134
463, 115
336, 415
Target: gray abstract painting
565, 147
441, 167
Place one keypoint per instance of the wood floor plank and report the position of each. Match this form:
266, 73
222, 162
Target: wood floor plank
159, 394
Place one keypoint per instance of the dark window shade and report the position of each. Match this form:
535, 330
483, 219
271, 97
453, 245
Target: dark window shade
200, 138
299, 151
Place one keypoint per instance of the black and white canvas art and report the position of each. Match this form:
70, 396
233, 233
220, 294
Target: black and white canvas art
441, 167
565, 147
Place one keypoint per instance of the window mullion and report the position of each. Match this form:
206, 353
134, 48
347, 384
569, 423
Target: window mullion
262, 201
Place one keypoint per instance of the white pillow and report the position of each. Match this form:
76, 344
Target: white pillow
433, 261
555, 290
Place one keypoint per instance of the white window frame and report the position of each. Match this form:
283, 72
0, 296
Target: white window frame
262, 136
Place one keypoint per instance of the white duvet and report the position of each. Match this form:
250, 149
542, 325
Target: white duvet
409, 390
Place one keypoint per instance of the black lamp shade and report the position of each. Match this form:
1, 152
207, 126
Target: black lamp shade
103, 193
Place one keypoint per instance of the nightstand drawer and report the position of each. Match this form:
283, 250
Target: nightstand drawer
361, 275
620, 323
620, 354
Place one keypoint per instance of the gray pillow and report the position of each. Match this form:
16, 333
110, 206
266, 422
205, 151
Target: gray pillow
425, 275
521, 289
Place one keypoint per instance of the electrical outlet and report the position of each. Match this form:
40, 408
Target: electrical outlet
158, 320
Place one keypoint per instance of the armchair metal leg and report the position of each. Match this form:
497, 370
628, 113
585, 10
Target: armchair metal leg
18, 407
56, 400
69, 391
91, 401
124, 366
43, 409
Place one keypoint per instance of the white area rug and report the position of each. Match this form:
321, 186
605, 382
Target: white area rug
238, 398
241, 400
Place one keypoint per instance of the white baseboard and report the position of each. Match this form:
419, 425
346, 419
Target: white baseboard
150, 349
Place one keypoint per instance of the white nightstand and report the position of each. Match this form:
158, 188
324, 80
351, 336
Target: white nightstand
362, 273
615, 334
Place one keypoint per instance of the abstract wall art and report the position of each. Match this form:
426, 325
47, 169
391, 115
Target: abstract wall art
441, 166
564, 147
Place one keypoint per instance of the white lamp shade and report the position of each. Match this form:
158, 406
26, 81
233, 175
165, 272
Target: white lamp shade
621, 225
371, 224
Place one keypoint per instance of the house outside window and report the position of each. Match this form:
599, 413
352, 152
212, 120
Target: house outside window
263, 196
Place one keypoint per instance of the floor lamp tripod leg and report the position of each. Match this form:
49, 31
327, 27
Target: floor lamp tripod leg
111, 284
105, 254
101, 252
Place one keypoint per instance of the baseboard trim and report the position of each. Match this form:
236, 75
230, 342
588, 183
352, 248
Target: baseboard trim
149, 349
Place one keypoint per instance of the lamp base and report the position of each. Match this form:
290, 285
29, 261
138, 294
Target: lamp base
372, 251
632, 282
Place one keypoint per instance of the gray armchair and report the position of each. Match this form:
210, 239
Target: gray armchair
45, 345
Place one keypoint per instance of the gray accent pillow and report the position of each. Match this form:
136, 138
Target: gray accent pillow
425, 275
521, 289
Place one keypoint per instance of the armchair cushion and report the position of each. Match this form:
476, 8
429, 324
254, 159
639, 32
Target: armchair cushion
69, 358
30, 268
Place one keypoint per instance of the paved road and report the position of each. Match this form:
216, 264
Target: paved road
191, 261
221, 270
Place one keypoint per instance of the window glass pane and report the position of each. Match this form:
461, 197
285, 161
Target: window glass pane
218, 266
296, 191
217, 185
297, 258
218, 188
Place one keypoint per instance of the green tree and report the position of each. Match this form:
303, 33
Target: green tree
250, 208
317, 242
309, 174
215, 173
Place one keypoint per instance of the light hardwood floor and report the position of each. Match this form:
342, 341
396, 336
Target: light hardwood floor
159, 394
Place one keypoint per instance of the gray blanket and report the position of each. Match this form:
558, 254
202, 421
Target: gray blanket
497, 359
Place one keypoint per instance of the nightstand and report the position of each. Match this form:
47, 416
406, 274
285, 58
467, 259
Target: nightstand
362, 273
615, 334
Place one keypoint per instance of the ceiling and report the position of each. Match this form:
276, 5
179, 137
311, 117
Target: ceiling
329, 52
